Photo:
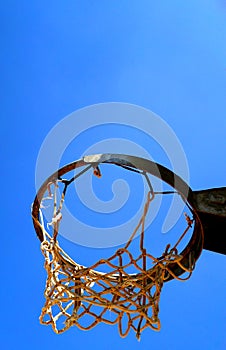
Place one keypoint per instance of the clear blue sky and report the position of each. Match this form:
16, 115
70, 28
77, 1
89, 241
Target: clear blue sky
59, 56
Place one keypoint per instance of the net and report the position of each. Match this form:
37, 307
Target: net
83, 296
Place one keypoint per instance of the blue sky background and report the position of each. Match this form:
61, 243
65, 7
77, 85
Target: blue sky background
59, 56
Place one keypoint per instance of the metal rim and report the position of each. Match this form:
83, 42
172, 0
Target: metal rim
194, 246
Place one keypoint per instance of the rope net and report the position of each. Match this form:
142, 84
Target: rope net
82, 296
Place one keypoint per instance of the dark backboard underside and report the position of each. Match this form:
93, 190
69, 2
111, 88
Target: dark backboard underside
211, 207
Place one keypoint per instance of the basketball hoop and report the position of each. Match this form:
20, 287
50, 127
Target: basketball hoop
84, 296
